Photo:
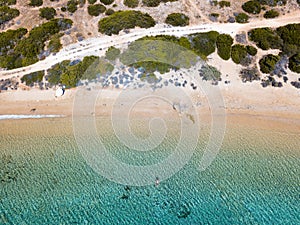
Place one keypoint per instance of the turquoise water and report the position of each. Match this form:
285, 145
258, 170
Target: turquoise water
44, 180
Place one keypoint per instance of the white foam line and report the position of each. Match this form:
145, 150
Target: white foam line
15, 117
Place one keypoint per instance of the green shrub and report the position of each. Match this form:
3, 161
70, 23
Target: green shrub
92, 1
294, 63
251, 50
47, 13
95, 10
204, 43
118, 21
215, 15
54, 44
242, 18
112, 53
7, 14
107, 2
154, 3
210, 73
177, 19
238, 53
131, 3
265, 38
267, 63
7, 2
64, 9
36, 2
32, 78
224, 42
271, 14
223, 4
252, 7
72, 6
109, 12
272, 2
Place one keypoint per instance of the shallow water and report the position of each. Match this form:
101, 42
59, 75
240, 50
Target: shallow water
45, 180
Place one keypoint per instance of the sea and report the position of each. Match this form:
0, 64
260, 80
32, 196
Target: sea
46, 179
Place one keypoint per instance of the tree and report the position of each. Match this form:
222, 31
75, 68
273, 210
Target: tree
131, 3
242, 18
238, 53
294, 63
271, 14
47, 13
268, 62
95, 10
107, 2
224, 42
204, 43
7, 14
36, 2
252, 7
177, 19
112, 53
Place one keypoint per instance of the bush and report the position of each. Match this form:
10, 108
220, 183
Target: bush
238, 53
72, 6
210, 73
265, 38
268, 62
223, 4
118, 21
7, 14
54, 44
294, 63
131, 3
32, 78
95, 10
271, 14
224, 42
92, 1
251, 50
242, 18
177, 19
109, 12
204, 43
47, 13
272, 2
36, 2
112, 53
154, 3
252, 7
107, 2
7, 2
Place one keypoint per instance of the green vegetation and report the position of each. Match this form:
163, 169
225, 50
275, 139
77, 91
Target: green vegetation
118, 21
252, 7
54, 44
177, 19
107, 2
36, 2
47, 13
214, 15
267, 63
131, 3
242, 18
294, 63
69, 74
112, 53
224, 42
160, 53
109, 12
92, 1
238, 53
265, 38
7, 2
26, 50
251, 50
72, 6
154, 3
204, 43
7, 14
223, 4
95, 10
32, 78
271, 14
